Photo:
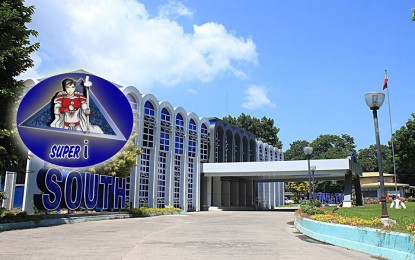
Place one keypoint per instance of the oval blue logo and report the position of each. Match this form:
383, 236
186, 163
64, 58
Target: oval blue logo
74, 120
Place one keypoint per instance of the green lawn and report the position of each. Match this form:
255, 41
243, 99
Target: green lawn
403, 217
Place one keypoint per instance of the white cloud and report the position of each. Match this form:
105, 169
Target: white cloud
31, 73
174, 9
120, 41
256, 97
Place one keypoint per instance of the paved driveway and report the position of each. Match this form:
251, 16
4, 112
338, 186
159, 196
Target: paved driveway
199, 235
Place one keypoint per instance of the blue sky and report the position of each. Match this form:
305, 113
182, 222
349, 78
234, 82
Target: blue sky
306, 64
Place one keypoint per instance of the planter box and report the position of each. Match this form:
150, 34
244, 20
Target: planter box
391, 245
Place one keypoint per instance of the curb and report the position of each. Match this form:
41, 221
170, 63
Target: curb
75, 219
390, 245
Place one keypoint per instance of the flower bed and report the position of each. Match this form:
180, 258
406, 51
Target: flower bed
378, 242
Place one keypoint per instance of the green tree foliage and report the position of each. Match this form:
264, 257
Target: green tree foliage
15, 50
12, 155
368, 159
413, 14
300, 189
405, 152
324, 147
296, 151
333, 146
264, 128
120, 165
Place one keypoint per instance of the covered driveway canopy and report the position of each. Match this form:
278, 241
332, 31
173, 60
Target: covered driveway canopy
327, 169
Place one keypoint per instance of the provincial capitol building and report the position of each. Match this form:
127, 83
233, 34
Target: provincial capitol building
175, 144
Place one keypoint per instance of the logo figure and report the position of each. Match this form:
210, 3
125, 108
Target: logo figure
71, 108
63, 121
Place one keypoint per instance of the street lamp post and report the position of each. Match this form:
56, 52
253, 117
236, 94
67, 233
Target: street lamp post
308, 151
375, 100
313, 169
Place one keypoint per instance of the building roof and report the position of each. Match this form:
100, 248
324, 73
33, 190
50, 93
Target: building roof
326, 169
374, 174
387, 185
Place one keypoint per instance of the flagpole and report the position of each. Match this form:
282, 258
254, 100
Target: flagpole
390, 124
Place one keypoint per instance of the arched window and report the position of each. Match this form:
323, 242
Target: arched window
252, 150
133, 102
165, 125
178, 154
219, 143
266, 153
192, 138
261, 153
191, 164
204, 143
245, 146
149, 124
238, 148
229, 146
148, 144
134, 108
179, 139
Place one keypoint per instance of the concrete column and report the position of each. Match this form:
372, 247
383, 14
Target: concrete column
270, 196
34, 164
9, 189
281, 193
255, 193
234, 193
152, 182
134, 184
249, 192
347, 201
226, 193
217, 192
208, 191
242, 193
273, 194
168, 197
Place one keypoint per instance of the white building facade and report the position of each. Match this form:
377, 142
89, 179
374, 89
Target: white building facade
175, 143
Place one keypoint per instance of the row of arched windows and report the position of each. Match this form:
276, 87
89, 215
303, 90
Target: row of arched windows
232, 144
173, 144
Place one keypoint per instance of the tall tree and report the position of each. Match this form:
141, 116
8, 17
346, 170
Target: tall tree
368, 159
263, 128
333, 146
405, 152
15, 50
324, 147
296, 150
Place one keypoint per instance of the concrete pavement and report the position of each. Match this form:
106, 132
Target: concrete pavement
198, 235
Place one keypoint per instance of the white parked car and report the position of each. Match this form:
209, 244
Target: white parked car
288, 201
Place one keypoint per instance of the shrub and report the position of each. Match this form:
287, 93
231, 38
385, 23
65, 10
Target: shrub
14, 215
311, 207
2, 195
144, 211
411, 199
